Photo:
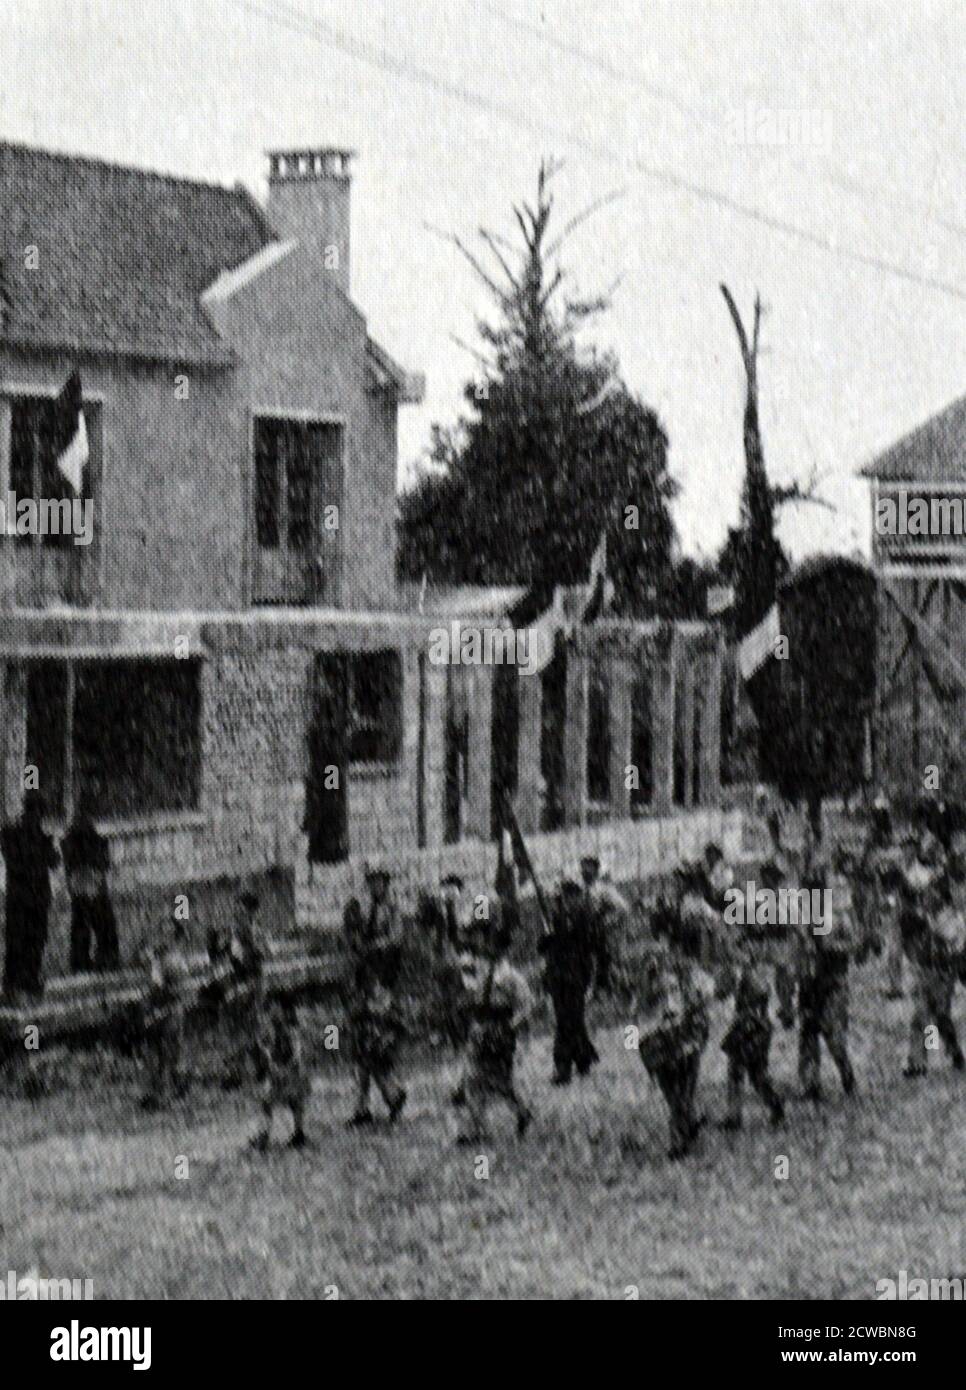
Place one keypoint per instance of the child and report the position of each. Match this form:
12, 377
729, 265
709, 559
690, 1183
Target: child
500, 1000
377, 1029
931, 926
282, 1072
675, 1002
747, 1042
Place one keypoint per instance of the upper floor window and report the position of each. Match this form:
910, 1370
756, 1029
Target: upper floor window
296, 480
33, 471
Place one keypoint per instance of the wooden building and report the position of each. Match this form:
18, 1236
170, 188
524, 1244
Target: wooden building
918, 489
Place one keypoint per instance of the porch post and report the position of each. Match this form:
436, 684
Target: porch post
480, 752
433, 714
688, 709
662, 714
14, 736
530, 690
575, 737
711, 725
7, 563
620, 708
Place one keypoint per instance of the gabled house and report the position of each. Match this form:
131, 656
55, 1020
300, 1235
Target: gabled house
239, 580
226, 671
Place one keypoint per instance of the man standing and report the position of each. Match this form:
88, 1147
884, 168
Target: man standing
92, 924
373, 933
441, 915
499, 1001
609, 903
825, 949
29, 855
576, 955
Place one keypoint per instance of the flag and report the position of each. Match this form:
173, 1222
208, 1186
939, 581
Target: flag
757, 647
600, 590
68, 430
543, 635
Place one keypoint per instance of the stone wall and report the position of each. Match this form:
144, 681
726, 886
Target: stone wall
256, 703
631, 850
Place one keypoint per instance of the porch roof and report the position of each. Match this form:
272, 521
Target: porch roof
36, 636
84, 634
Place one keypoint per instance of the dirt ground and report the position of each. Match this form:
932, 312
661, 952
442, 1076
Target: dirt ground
586, 1206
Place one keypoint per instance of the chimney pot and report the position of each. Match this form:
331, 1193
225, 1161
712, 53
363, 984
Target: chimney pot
308, 200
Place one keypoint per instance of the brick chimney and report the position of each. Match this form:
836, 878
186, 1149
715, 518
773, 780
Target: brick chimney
308, 200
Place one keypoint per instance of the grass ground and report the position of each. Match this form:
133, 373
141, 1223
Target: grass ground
585, 1206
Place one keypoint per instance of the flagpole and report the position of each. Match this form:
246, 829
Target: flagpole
520, 844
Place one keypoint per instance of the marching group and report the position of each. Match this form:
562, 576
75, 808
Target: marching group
903, 894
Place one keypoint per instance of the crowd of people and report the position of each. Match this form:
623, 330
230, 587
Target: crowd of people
900, 897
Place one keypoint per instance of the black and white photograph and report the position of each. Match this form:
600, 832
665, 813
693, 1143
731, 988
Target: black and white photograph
483, 666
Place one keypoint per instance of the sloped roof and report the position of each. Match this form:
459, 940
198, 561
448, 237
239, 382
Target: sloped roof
411, 386
124, 256
933, 452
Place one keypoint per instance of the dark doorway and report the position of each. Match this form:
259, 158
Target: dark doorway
47, 731
641, 752
326, 792
552, 752
505, 738
455, 753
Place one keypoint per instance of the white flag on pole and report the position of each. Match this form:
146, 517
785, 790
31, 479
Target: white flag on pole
542, 635
69, 429
758, 646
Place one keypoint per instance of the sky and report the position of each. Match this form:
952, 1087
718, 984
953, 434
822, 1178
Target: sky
721, 126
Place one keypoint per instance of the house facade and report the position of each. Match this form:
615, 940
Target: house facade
242, 472
226, 673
